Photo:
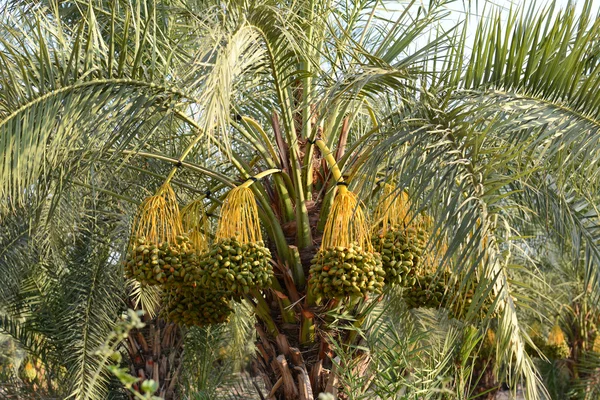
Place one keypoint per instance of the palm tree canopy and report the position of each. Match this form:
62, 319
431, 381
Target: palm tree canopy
101, 102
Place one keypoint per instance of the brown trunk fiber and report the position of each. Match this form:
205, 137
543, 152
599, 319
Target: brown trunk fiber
155, 353
293, 370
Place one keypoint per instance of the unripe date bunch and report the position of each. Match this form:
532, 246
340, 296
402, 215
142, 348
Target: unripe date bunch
431, 291
557, 351
162, 263
346, 271
235, 267
193, 306
556, 346
401, 253
427, 292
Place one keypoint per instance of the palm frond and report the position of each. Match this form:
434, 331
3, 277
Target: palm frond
93, 304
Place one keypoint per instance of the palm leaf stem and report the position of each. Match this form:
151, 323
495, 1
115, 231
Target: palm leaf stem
303, 232
283, 182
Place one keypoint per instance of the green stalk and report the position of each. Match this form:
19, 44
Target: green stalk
108, 192
265, 211
331, 162
285, 305
308, 170
282, 185
263, 312
277, 235
303, 226
260, 175
194, 167
254, 124
306, 97
371, 114
325, 206
275, 228
307, 328
303, 230
269, 159
310, 150
334, 127
304, 238
328, 199
337, 176
296, 266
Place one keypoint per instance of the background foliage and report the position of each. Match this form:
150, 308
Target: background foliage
495, 136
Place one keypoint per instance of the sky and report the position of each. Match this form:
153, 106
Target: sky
477, 6
540, 4
562, 3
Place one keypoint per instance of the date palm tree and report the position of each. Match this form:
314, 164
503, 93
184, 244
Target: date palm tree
495, 137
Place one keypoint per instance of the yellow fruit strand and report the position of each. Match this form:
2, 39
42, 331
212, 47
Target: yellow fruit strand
596, 345
392, 210
556, 336
490, 337
346, 223
158, 218
556, 345
195, 224
239, 217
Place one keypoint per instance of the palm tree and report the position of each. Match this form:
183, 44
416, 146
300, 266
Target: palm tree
495, 139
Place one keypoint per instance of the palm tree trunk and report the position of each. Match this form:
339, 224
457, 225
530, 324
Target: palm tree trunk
300, 373
294, 364
284, 369
155, 353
